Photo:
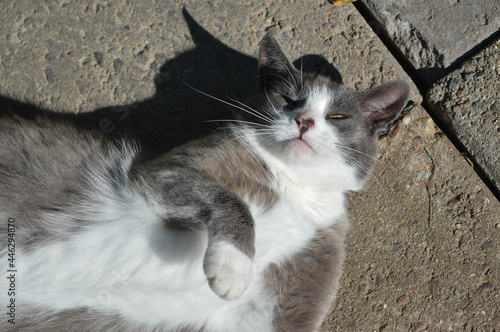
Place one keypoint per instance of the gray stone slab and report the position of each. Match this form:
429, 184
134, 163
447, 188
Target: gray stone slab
469, 100
434, 34
423, 252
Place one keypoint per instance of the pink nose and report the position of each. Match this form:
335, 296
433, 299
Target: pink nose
304, 123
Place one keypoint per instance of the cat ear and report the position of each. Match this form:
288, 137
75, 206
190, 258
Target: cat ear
274, 66
383, 104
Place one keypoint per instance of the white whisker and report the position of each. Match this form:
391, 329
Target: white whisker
242, 121
301, 71
270, 102
253, 111
377, 160
289, 85
293, 79
220, 100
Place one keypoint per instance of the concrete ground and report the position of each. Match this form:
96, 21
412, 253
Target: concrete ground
424, 249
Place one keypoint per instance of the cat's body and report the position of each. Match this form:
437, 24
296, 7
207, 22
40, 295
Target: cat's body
240, 231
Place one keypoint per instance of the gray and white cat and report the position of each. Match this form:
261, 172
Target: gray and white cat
239, 231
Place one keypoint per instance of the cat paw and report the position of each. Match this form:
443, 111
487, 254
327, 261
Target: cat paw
228, 270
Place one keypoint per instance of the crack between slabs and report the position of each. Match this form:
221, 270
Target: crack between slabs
427, 185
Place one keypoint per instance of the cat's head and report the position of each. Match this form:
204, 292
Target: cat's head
316, 125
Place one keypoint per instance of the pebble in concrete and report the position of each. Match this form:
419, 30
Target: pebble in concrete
469, 100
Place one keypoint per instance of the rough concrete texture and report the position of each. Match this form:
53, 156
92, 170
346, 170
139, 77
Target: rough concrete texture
469, 100
424, 249
117, 66
435, 34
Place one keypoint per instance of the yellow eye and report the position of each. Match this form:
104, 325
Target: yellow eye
338, 117
340, 2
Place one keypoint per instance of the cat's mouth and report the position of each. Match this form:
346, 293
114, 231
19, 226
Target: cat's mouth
300, 146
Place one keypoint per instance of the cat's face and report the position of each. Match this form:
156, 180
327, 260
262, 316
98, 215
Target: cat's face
308, 120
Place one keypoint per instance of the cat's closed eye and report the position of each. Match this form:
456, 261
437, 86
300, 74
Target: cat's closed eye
291, 103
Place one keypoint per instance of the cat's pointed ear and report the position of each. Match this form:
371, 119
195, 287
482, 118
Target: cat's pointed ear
382, 105
274, 66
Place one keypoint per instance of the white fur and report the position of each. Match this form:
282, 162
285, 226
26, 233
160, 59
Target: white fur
133, 265
129, 263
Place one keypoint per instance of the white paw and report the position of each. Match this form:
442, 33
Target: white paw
228, 270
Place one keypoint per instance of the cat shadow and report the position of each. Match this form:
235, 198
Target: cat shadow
177, 113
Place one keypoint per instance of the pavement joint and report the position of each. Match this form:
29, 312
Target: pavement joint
424, 87
383, 35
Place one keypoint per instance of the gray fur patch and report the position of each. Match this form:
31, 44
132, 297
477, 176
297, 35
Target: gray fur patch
48, 177
306, 285
228, 161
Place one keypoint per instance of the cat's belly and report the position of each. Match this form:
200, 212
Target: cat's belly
150, 275
154, 276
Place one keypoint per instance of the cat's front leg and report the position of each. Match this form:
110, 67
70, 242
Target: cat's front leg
186, 200
229, 256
